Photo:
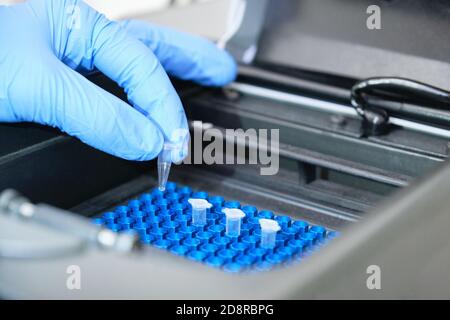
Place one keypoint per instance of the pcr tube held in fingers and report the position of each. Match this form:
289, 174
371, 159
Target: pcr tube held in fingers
199, 207
269, 229
233, 221
164, 163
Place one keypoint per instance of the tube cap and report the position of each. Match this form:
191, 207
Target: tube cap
233, 213
199, 203
269, 225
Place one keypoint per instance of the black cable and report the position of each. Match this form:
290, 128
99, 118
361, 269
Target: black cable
376, 119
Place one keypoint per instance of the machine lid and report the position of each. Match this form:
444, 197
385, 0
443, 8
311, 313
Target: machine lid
332, 36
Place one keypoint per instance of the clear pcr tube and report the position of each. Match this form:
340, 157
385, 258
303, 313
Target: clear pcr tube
164, 164
233, 221
269, 229
199, 207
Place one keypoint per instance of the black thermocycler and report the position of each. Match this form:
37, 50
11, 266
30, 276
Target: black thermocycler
363, 146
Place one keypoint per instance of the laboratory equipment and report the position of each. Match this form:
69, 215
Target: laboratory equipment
269, 229
164, 164
199, 207
14, 204
329, 173
231, 237
233, 221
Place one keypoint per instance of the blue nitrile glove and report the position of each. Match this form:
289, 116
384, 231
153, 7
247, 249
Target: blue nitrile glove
45, 43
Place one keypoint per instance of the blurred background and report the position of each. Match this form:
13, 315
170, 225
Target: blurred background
204, 17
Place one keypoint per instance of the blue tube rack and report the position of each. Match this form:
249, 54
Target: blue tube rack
163, 220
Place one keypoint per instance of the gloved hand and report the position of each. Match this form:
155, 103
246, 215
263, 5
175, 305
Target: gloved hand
44, 44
